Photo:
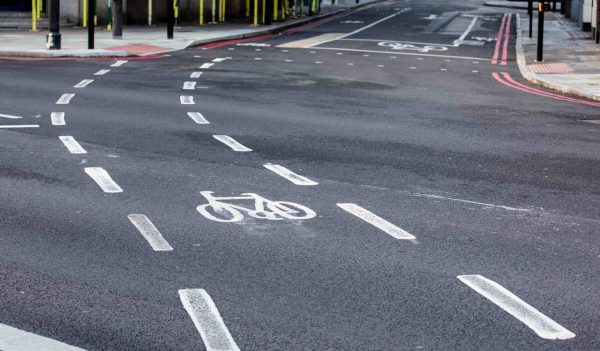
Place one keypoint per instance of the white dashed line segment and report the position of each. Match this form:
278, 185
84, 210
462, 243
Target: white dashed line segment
119, 63
541, 324
376, 221
195, 75
198, 117
149, 232
186, 100
101, 72
72, 145
103, 179
84, 83
207, 319
13, 339
17, 126
57, 118
206, 65
10, 116
65, 99
289, 175
189, 85
232, 143
219, 59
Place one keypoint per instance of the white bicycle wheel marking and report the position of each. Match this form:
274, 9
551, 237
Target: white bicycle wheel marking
221, 209
396, 45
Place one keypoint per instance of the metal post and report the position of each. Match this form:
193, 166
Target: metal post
540, 38
91, 28
176, 12
53, 39
201, 19
149, 12
214, 5
170, 19
33, 17
85, 13
117, 17
256, 13
530, 12
553, 5
597, 22
39, 10
109, 16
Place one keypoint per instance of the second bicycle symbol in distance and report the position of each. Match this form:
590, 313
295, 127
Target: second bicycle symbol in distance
233, 209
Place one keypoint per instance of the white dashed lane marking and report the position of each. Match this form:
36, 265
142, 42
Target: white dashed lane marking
72, 145
65, 99
149, 232
189, 85
196, 74
119, 63
198, 117
103, 179
13, 339
101, 72
186, 100
541, 324
17, 126
57, 118
289, 175
219, 59
206, 65
84, 83
232, 143
10, 116
376, 221
207, 319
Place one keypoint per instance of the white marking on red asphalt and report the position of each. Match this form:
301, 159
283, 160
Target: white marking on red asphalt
376, 221
10, 116
206, 65
57, 118
65, 99
186, 100
195, 75
16, 126
289, 175
189, 85
72, 144
103, 179
198, 117
219, 59
119, 63
207, 319
149, 232
541, 324
84, 83
101, 72
13, 339
232, 143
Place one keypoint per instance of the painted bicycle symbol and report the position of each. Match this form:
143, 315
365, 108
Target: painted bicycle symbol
404, 46
219, 210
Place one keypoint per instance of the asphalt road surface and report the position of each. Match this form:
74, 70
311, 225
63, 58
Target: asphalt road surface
380, 180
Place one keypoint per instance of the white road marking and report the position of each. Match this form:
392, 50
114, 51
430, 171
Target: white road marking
198, 118
149, 232
365, 55
10, 116
232, 143
420, 58
289, 60
350, 64
339, 53
508, 208
195, 74
363, 28
219, 59
285, 50
448, 60
467, 31
84, 83
186, 100
57, 118
377, 221
65, 99
443, 69
207, 319
404, 53
257, 58
72, 145
412, 67
318, 62
103, 179
380, 66
101, 72
16, 126
289, 175
312, 52
13, 339
541, 324
476, 62
231, 49
206, 65
308, 42
475, 71
189, 85
119, 63
257, 49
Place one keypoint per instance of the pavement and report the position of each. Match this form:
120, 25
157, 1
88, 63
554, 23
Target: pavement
380, 181
145, 40
571, 59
